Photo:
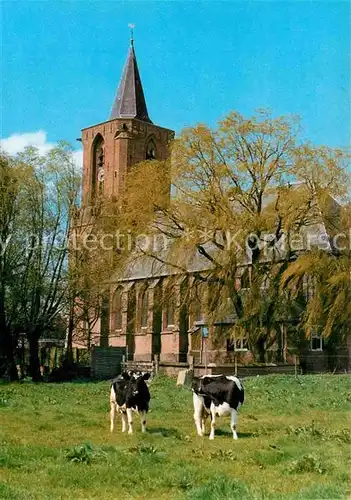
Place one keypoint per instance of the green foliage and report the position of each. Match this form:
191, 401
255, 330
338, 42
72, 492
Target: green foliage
306, 463
223, 455
37, 196
220, 487
141, 449
85, 454
322, 433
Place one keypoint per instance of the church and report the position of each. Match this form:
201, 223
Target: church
136, 319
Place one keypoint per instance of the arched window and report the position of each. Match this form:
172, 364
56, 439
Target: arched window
169, 311
116, 322
98, 160
150, 153
144, 308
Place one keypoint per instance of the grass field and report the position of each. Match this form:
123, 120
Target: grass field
294, 443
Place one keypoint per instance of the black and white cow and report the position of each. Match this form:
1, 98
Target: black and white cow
216, 395
129, 393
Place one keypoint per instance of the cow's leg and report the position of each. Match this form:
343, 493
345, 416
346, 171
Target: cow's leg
124, 421
112, 416
130, 420
143, 421
203, 420
213, 421
233, 420
198, 409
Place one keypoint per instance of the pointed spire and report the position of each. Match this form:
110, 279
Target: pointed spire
130, 100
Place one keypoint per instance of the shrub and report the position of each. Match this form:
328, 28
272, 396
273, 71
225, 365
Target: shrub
306, 463
85, 454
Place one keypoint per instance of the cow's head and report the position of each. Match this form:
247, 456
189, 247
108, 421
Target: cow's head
135, 375
195, 384
136, 382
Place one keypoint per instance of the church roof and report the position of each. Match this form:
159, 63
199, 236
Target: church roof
130, 101
314, 234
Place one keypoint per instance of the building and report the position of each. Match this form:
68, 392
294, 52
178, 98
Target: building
137, 318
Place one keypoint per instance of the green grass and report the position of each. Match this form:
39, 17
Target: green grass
294, 443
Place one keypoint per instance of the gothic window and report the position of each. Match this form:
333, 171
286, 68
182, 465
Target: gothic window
144, 308
169, 314
117, 310
98, 162
150, 150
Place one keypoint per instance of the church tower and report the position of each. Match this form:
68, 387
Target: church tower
128, 137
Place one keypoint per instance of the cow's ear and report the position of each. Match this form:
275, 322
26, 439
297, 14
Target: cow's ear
146, 376
125, 375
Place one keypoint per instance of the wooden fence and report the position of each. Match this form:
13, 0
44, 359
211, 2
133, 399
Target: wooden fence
106, 362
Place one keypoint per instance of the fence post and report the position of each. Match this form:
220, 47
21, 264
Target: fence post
205, 355
191, 362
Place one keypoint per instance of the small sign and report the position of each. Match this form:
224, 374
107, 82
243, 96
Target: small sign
205, 331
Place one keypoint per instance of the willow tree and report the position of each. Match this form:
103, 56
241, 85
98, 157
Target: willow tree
327, 308
245, 199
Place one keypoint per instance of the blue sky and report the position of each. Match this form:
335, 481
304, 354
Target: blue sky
62, 60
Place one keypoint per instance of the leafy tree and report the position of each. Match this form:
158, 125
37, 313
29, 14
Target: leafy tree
94, 259
246, 195
35, 279
327, 303
12, 181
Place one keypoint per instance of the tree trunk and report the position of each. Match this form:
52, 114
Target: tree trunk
9, 368
7, 348
34, 363
69, 346
260, 350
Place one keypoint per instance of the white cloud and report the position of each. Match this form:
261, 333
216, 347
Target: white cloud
16, 143
78, 157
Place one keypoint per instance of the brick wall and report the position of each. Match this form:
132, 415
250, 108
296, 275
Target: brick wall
124, 145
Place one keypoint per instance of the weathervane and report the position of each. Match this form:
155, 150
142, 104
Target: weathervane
131, 26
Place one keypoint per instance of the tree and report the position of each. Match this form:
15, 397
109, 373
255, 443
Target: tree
243, 196
326, 278
12, 181
36, 255
93, 259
